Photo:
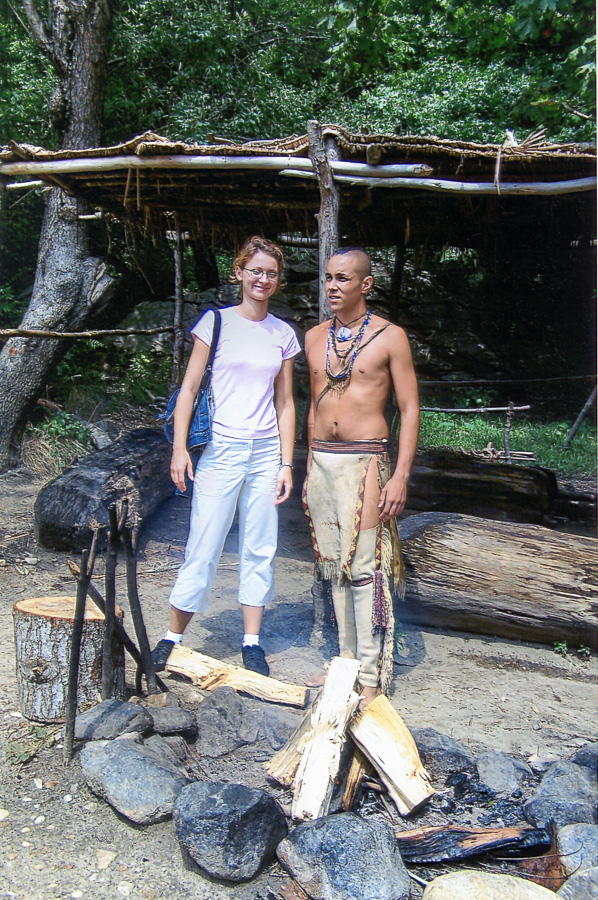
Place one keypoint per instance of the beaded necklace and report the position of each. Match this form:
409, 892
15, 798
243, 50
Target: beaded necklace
339, 382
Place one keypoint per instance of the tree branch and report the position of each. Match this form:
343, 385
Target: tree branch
41, 35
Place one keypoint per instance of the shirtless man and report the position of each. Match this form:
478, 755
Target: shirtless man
351, 497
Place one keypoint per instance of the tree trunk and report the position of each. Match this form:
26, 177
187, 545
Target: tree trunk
71, 286
515, 581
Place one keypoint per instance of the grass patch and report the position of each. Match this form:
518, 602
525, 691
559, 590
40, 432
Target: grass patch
544, 439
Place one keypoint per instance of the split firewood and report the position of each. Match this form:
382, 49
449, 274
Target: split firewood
360, 766
208, 674
546, 870
430, 845
384, 738
320, 759
285, 762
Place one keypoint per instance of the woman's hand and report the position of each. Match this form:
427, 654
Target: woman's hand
180, 464
284, 485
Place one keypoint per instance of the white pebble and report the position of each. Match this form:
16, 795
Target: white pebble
38, 783
25, 844
4, 814
17, 715
25, 830
125, 888
26, 800
76, 895
67, 798
38, 820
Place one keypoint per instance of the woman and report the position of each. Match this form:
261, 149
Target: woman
249, 461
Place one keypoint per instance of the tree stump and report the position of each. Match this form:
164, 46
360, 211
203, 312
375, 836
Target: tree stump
43, 628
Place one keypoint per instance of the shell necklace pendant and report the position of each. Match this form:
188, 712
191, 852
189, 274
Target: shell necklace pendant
343, 334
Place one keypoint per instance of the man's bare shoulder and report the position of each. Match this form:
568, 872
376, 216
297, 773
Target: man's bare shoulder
392, 335
317, 331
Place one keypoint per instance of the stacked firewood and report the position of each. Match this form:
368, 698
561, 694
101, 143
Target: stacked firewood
310, 762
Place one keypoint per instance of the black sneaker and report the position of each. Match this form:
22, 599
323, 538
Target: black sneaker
160, 654
254, 659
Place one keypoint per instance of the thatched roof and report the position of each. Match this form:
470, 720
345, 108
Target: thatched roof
225, 190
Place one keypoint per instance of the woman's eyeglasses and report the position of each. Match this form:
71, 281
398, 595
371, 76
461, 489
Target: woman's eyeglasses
257, 273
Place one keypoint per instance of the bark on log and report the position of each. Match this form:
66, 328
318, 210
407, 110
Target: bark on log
515, 581
285, 762
381, 734
321, 755
70, 507
43, 628
208, 674
448, 481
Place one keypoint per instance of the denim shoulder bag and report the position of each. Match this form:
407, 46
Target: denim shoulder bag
200, 426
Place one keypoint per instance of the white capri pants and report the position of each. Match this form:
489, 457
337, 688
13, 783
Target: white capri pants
231, 472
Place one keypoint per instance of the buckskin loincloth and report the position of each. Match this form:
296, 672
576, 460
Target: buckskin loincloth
333, 496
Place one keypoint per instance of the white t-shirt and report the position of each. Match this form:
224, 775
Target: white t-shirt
248, 358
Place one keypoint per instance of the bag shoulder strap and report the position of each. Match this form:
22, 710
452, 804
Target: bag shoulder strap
213, 344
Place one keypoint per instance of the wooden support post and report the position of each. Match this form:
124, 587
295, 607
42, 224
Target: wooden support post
130, 541
321, 153
73, 677
179, 303
320, 759
384, 738
110, 583
591, 399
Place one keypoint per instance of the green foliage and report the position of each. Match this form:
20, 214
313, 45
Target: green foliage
65, 425
544, 439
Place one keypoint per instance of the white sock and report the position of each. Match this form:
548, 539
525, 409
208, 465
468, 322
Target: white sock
173, 636
251, 640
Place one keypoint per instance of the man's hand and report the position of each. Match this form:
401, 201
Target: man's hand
284, 485
393, 497
180, 464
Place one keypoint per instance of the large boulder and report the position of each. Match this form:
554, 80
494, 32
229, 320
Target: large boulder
140, 782
224, 723
229, 830
470, 885
567, 794
441, 754
344, 857
110, 719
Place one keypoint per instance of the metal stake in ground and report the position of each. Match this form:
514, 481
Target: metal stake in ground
130, 542
73, 677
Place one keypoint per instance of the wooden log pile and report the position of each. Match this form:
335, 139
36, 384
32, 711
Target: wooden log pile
333, 728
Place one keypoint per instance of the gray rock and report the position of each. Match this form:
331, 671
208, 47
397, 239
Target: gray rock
111, 718
587, 756
224, 723
441, 755
344, 857
566, 794
173, 720
582, 886
578, 847
171, 748
471, 885
140, 782
502, 773
230, 830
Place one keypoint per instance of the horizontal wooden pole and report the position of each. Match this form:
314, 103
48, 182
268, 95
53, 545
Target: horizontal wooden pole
475, 409
531, 188
25, 185
276, 163
72, 335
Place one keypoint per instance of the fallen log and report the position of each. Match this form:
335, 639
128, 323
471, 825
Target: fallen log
70, 507
450, 842
43, 631
445, 480
515, 581
321, 755
208, 674
379, 731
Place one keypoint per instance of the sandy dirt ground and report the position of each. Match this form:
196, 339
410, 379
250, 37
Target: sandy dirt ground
58, 840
